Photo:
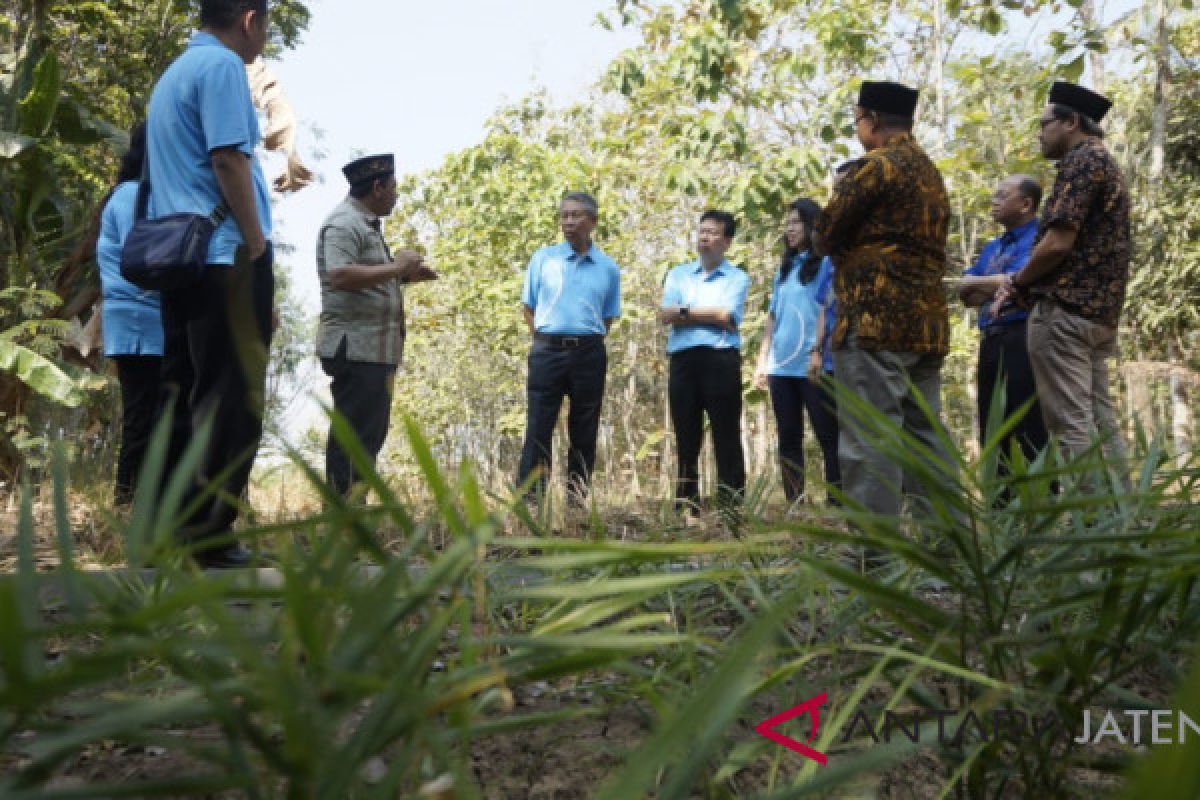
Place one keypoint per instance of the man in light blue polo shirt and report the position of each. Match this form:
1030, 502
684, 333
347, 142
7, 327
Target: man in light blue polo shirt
703, 302
571, 298
201, 135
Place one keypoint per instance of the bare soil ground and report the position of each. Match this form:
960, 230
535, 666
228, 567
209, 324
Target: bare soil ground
558, 761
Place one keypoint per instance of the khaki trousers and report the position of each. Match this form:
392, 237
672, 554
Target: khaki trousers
1069, 355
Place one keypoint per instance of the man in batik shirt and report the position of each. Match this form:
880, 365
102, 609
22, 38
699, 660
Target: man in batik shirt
885, 228
1075, 277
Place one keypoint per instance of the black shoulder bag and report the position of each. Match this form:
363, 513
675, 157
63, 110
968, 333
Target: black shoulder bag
169, 252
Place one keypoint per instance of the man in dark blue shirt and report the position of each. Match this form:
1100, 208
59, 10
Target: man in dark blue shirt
1002, 350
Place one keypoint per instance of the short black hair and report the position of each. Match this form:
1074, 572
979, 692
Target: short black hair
727, 220
1028, 187
897, 122
131, 160
584, 199
1086, 123
222, 14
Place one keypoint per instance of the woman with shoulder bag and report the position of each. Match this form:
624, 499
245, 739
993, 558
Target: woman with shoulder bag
131, 322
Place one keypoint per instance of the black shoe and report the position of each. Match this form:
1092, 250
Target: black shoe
866, 560
229, 556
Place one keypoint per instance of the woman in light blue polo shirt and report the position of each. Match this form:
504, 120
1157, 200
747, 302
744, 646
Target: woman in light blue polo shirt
132, 324
789, 353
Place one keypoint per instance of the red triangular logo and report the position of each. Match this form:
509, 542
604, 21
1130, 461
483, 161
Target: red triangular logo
767, 728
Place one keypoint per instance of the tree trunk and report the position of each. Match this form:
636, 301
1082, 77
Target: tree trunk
13, 395
1181, 410
1181, 406
762, 440
627, 419
665, 476
938, 73
1158, 129
1087, 14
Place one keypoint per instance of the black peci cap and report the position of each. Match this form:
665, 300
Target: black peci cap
369, 168
1077, 98
888, 98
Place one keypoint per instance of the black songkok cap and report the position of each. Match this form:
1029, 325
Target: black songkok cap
369, 168
1077, 98
888, 98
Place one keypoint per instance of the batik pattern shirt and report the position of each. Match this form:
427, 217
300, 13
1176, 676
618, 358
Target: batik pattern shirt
1089, 197
885, 228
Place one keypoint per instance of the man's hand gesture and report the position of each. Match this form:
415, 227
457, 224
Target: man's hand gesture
411, 267
1007, 295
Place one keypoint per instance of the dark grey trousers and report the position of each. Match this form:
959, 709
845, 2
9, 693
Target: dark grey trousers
887, 380
362, 394
555, 373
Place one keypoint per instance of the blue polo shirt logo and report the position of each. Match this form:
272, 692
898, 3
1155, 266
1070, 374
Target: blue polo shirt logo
796, 307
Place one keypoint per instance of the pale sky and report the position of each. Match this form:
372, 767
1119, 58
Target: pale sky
419, 79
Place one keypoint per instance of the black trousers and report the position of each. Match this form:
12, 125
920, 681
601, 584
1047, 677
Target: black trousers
218, 334
1003, 353
707, 381
790, 397
140, 378
362, 393
556, 372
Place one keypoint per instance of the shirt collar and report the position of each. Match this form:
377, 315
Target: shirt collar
590, 255
1087, 143
699, 267
204, 39
368, 215
898, 139
1019, 232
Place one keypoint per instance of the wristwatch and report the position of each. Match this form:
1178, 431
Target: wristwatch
683, 312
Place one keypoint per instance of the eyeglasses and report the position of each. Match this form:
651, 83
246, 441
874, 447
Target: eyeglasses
860, 117
1043, 122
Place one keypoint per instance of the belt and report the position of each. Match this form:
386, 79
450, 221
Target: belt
1003, 328
568, 341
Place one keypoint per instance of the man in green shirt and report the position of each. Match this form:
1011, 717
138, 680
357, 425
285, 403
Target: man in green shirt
360, 338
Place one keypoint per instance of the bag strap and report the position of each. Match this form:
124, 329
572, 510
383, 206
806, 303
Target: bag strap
217, 216
143, 193
219, 213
